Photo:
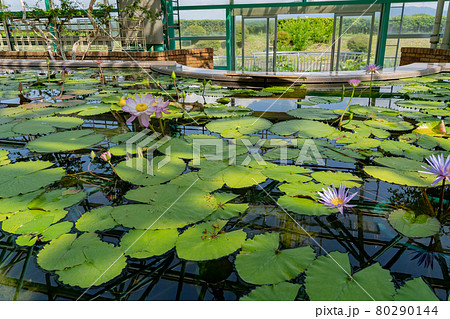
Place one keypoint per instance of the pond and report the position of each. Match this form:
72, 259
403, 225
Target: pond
218, 199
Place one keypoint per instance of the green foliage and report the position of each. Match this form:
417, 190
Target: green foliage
304, 32
358, 43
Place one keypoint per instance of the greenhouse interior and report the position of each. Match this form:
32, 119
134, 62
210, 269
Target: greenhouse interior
238, 150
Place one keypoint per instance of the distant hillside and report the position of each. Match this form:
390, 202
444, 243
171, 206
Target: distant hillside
414, 10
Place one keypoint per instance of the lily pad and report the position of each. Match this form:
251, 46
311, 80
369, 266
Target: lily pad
401, 177
313, 114
139, 171
418, 104
207, 241
24, 177
284, 291
225, 209
288, 173
304, 206
415, 290
371, 283
305, 128
140, 243
399, 163
336, 178
389, 125
234, 128
261, 261
65, 141
238, 176
309, 189
410, 225
46, 125
97, 219
432, 129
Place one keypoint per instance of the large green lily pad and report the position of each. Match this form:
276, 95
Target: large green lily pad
410, 225
140, 243
262, 262
432, 129
65, 141
24, 177
371, 283
313, 114
399, 176
415, 290
304, 128
284, 291
46, 125
239, 176
207, 241
97, 219
304, 206
336, 178
288, 173
140, 171
233, 128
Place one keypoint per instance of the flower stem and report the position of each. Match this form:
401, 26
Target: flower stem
370, 89
161, 124
345, 111
441, 200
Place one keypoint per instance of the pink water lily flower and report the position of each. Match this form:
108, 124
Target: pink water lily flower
140, 107
106, 156
439, 166
354, 82
159, 107
334, 198
372, 68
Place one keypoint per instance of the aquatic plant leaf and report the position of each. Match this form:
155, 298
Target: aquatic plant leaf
288, 173
239, 177
305, 128
324, 99
178, 147
10, 205
283, 291
28, 222
46, 125
304, 206
57, 199
394, 147
364, 144
313, 114
139, 171
97, 219
277, 154
389, 125
261, 262
227, 111
336, 178
410, 225
226, 210
309, 189
192, 179
24, 177
56, 230
431, 128
238, 127
65, 141
174, 209
371, 283
415, 290
420, 104
399, 163
26, 240
6, 130
140, 243
401, 177
206, 241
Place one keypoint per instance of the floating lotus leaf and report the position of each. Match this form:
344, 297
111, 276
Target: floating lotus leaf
65, 141
281, 153
410, 225
140, 171
192, 179
206, 241
418, 104
35, 105
336, 178
140, 243
284, 291
46, 125
261, 261
394, 147
87, 109
171, 207
364, 144
6, 130
97, 219
28, 222
24, 177
135, 138
399, 163
341, 155
309, 189
56, 230
365, 131
10, 205
57, 199
4, 157
371, 283
324, 99
226, 210
413, 88
68, 103
401, 177
313, 114
304, 206
238, 176
178, 147
416, 153
389, 125
305, 128
237, 127
83, 91
288, 173
438, 112
227, 111
415, 290
432, 128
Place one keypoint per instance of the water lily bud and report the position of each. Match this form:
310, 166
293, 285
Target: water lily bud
442, 128
173, 76
92, 154
122, 102
106, 156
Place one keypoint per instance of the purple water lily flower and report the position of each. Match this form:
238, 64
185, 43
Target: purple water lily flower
140, 107
334, 198
354, 82
159, 107
439, 166
372, 68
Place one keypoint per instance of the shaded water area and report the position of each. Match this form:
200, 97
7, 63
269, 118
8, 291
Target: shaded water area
227, 231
